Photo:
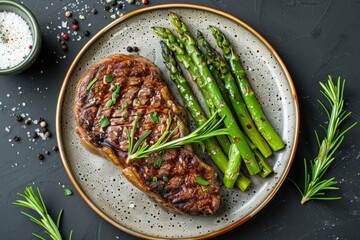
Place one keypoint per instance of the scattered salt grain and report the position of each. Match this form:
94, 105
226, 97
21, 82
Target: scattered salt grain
14, 41
64, 24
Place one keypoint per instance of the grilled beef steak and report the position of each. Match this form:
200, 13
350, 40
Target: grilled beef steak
171, 183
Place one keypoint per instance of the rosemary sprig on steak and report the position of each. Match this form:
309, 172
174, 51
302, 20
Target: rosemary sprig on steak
141, 148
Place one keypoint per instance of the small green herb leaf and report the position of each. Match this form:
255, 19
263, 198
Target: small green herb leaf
206, 190
104, 122
115, 96
108, 78
141, 139
165, 178
67, 192
136, 102
110, 103
158, 160
117, 90
154, 179
91, 83
125, 115
202, 181
154, 116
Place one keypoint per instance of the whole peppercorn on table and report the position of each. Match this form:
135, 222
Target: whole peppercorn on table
313, 40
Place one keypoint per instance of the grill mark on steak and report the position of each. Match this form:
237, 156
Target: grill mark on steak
176, 188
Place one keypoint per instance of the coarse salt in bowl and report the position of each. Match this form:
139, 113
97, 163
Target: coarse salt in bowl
20, 38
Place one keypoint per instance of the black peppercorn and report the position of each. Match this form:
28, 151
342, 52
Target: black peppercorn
41, 157
19, 118
136, 49
86, 33
55, 148
27, 122
113, 2
120, 5
16, 138
64, 47
129, 49
75, 22
36, 135
47, 152
107, 8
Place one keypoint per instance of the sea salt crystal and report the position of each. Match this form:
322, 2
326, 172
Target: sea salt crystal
15, 39
64, 24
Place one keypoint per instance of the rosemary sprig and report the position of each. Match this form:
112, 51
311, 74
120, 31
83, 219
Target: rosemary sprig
315, 184
142, 149
37, 204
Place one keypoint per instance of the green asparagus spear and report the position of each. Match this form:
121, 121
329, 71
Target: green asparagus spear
265, 168
191, 103
176, 46
233, 168
261, 122
220, 67
237, 136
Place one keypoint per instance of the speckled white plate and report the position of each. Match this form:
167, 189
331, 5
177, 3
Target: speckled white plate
101, 184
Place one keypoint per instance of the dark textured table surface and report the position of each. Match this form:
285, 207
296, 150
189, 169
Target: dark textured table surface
315, 38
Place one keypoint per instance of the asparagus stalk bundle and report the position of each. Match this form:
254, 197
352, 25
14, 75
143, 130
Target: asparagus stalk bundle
212, 147
256, 112
176, 46
219, 84
237, 136
220, 68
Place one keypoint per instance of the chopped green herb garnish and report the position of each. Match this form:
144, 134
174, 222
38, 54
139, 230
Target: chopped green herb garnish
202, 181
113, 88
118, 87
154, 179
158, 160
108, 78
206, 190
154, 116
67, 192
110, 103
126, 115
135, 102
91, 83
115, 96
104, 122
165, 178
125, 105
